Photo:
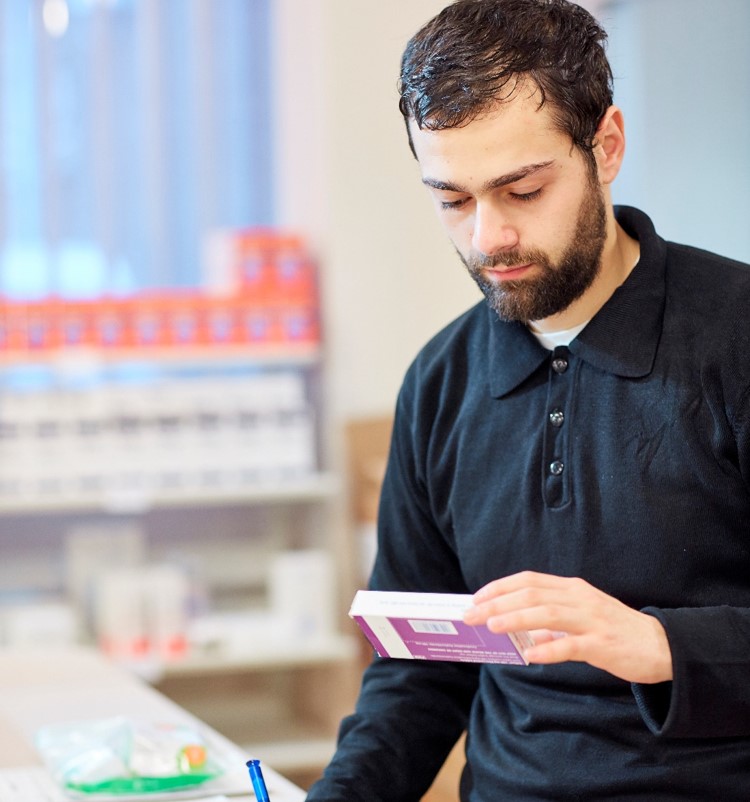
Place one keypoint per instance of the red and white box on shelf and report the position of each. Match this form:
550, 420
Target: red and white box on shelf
261, 290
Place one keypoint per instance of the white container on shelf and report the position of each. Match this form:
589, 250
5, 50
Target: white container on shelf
142, 612
166, 592
119, 614
302, 592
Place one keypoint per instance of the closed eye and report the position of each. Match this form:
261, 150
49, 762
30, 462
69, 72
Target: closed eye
455, 204
525, 197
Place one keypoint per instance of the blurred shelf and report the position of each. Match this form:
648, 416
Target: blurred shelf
283, 705
315, 487
333, 649
283, 697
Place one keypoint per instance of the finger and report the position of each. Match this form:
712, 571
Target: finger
556, 650
545, 635
513, 582
559, 618
528, 598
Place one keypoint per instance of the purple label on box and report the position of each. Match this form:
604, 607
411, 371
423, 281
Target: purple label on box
428, 639
454, 640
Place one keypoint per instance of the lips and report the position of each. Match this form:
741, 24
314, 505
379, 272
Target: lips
508, 273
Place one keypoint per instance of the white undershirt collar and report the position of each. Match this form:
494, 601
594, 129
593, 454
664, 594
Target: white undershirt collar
551, 339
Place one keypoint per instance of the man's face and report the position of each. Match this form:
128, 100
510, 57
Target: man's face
522, 207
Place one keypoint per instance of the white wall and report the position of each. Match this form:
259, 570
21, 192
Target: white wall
390, 277
682, 78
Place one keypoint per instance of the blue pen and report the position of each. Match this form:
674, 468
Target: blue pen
259, 784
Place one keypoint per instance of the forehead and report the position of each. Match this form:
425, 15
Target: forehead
509, 135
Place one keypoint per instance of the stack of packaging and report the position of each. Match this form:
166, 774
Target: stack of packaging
260, 290
163, 391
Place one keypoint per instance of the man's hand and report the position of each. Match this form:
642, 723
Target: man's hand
572, 620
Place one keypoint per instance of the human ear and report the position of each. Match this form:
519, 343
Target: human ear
609, 144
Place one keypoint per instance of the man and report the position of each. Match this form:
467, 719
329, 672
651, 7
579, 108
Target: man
575, 451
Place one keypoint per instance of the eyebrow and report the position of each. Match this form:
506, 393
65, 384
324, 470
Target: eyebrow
493, 183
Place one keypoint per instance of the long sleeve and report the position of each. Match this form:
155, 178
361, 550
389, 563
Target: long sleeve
409, 713
710, 694
408, 717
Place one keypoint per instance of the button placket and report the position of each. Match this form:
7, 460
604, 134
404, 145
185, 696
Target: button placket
555, 480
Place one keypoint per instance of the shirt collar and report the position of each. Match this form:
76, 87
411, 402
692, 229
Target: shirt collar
621, 338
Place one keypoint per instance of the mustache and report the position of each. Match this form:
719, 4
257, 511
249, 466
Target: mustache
480, 261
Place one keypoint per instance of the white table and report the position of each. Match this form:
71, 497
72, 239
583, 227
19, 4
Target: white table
44, 687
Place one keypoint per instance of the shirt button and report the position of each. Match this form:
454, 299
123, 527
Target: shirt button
556, 468
559, 365
557, 418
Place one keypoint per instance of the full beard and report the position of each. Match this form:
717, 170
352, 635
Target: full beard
559, 284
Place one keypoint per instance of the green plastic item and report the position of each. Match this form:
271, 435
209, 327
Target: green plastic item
120, 757
142, 785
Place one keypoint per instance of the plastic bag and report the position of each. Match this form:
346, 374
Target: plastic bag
119, 756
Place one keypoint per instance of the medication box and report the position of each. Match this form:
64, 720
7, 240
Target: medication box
429, 626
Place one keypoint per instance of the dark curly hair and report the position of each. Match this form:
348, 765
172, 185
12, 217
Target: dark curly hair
474, 53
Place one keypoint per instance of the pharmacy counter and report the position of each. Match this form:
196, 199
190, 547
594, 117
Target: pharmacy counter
39, 688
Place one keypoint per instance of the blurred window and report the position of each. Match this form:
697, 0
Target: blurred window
128, 130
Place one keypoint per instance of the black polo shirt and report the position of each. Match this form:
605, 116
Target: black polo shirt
623, 459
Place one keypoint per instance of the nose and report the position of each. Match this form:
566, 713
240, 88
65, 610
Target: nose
493, 231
